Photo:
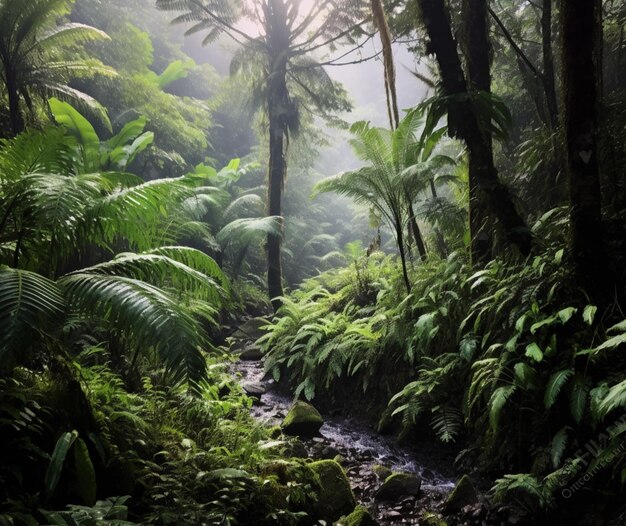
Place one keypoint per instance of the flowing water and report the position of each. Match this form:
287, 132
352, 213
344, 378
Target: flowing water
360, 448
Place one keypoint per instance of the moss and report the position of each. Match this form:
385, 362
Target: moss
335, 498
432, 519
274, 432
382, 472
463, 494
359, 517
302, 420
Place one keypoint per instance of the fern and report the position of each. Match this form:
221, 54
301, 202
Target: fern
28, 304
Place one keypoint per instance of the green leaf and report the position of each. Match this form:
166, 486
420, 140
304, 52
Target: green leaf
534, 352
81, 129
578, 397
86, 485
555, 384
28, 302
57, 461
498, 400
468, 347
559, 443
589, 314
566, 314
525, 375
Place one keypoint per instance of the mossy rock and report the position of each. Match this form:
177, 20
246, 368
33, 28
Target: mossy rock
382, 472
359, 517
275, 432
289, 484
399, 485
303, 420
335, 498
432, 519
462, 495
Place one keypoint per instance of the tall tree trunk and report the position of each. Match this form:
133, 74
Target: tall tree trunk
463, 122
392, 107
278, 106
390, 70
549, 80
17, 122
415, 230
579, 18
476, 48
401, 249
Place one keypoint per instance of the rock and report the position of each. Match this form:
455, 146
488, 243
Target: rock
296, 449
340, 460
251, 329
359, 517
329, 452
275, 432
431, 519
382, 472
335, 498
399, 485
462, 495
254, 389
251, 353
302, 420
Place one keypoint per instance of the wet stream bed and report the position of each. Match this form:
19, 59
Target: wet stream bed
360, 449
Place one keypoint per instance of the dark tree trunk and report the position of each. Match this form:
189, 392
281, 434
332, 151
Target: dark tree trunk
402, 250
463, 122
278, 106
441, 240
415, 230
579, 18
549, 80
17, 122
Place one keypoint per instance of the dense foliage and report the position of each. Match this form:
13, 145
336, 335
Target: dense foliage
461, 283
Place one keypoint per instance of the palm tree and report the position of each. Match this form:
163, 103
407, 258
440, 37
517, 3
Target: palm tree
391, 180
291, 80
32, 58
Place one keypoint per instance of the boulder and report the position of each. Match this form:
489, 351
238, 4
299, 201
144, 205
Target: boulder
250, 329
251, 353
302, 420
335, 498
382, 472
253, 389
462, 495
399, 485
359, 517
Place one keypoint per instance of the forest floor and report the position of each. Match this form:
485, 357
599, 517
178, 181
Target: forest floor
366, 456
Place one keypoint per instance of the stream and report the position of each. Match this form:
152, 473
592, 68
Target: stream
359, 449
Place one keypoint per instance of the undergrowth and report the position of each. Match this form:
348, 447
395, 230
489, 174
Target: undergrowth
511, 363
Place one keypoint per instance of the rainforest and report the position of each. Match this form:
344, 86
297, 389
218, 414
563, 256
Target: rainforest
313, 262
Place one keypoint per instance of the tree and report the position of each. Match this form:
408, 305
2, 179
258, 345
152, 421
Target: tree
291, 35
397, 171
32, 58
580, 84
487, 193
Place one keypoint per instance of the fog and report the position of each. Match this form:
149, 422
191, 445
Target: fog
364, 83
